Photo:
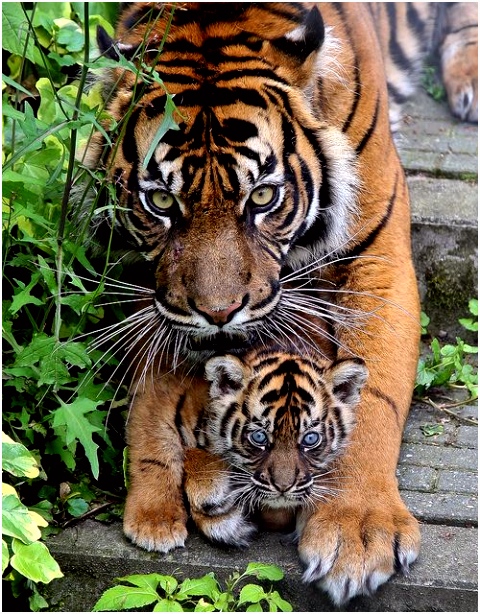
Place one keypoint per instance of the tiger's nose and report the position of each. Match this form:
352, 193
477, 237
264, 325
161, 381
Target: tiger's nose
219, 315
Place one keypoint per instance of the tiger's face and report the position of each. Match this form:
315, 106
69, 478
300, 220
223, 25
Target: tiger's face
281, 421
252, 180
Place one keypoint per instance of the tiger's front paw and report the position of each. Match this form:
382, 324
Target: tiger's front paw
211, 495
156, 527
351, 550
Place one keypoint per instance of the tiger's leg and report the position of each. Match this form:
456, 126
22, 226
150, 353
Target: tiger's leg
208, 487
356, 541
155, 517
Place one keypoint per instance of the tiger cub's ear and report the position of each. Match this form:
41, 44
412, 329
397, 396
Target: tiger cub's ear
348, 378
227, 374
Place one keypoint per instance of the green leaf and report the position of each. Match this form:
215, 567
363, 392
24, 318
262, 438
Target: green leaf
168, 605
251, 593
473, 306
72, 416
17, 520
469, 324
35, 562
15, 31
207, 586
204, 606
17, 460
167, 123
23, 297
283, 606
254, 607
125, 598
77, 506
36, 601
430, 430
262, 571
5, 555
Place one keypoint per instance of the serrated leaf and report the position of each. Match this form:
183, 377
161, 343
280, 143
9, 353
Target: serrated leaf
168, 605
23, 296
40, 346
264, 571
124, 598
207, 586
204, 606
17, 460
35, 562
72, 416
251, 593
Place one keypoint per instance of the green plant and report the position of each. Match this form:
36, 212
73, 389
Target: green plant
203, 594
432, 84
23, 553
450, 365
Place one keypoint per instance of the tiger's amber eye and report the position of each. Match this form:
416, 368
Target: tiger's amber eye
263, 195
162, 200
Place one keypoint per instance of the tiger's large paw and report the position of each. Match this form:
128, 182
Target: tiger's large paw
351, 550
209, 489
156, 527
460, 78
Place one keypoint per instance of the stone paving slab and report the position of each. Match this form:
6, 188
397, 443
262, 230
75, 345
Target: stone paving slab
444, 578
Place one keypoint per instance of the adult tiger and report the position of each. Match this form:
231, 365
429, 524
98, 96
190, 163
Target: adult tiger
284, 155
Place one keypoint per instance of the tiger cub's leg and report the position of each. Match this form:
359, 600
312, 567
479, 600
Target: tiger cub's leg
209, 490
155, 516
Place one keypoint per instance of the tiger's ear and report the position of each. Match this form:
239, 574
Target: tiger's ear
111, 48
227, 374
304, 39
348, 378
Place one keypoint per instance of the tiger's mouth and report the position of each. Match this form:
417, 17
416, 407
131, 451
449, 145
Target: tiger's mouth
222, 342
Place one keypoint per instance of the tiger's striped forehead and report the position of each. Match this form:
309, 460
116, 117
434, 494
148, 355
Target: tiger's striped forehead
287, 394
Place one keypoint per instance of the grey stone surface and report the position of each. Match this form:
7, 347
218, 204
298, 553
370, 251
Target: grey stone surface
438, 456
457, 482
443, 579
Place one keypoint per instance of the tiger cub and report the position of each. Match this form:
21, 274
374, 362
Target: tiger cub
252, 443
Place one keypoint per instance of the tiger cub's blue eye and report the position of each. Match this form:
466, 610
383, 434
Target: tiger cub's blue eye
258, 438
310, 440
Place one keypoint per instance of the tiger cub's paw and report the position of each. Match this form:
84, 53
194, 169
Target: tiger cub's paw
231, 528
351, 550
155, 528
211, 497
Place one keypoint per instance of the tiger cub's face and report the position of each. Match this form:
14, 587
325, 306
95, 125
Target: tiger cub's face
280, 421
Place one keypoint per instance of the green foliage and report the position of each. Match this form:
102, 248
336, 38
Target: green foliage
450, 364
432, 83
203, 594
23, 554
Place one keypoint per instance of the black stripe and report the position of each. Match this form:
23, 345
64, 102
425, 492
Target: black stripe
415, 21
396, 52
470, 25
384, 397
369, 132
129, 143
264, 73
231, 411
154, 461
394, 93
370, 238
178, 416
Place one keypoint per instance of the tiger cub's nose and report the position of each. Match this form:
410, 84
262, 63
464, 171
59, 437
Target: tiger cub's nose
219, 315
